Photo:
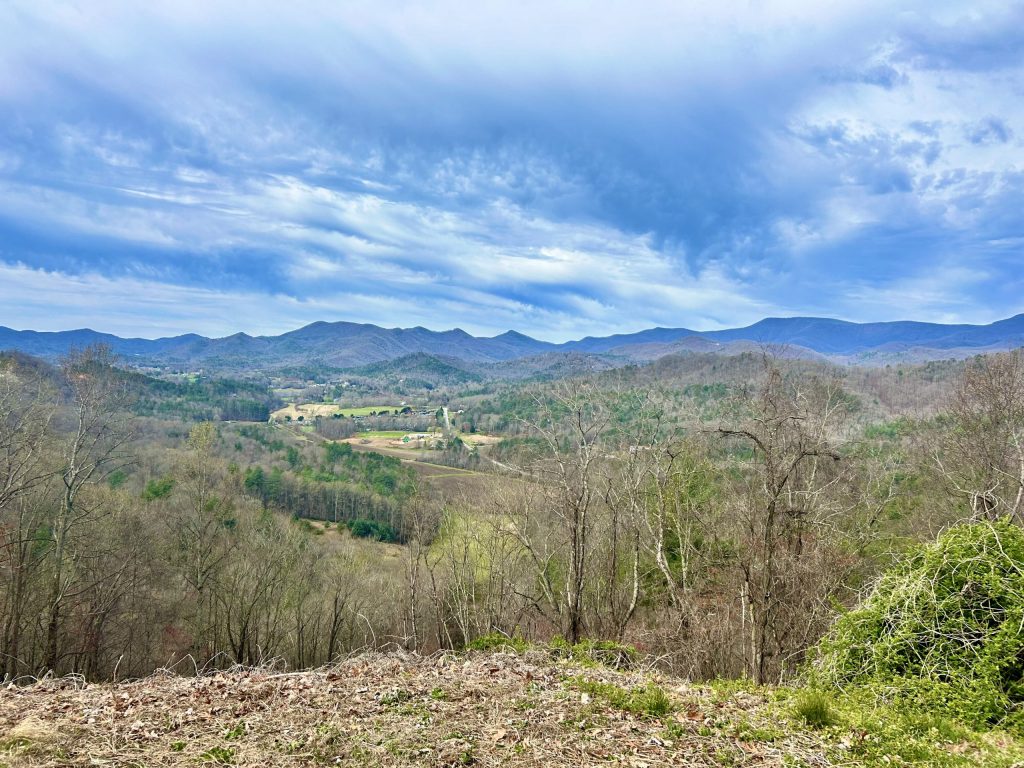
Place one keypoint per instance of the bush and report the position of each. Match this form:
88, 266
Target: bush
941, 632
371, 529
158, 489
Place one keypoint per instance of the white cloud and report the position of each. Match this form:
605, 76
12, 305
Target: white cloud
565, 169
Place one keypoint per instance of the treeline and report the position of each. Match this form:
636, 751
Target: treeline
335, 483
320, 498
340, 429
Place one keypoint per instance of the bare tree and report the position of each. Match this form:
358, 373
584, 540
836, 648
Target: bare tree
555, 520
784, 445
981, 453
27, 407
94, 448
201, 529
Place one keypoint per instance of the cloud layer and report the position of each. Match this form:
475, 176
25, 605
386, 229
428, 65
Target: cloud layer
593, 169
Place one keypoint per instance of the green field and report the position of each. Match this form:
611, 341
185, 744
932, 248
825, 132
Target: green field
367, 410
329, 410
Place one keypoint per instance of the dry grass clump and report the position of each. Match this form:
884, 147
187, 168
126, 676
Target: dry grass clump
391, 710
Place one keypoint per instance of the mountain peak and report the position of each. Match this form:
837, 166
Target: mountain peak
347, 344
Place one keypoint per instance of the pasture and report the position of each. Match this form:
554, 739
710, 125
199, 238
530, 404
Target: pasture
310, 411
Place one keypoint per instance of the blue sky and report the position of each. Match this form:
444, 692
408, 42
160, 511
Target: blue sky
593, 168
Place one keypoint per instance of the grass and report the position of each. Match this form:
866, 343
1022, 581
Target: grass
367, 410
863, 732
218, 756
815, 709
649, 700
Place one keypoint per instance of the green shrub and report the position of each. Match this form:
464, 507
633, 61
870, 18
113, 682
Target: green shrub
158, 489
943, 631
371, 529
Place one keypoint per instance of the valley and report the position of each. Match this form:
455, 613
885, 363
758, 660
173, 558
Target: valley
511, 384
295, 518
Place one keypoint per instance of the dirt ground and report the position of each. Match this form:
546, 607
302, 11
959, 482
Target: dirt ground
392, 710
377, 442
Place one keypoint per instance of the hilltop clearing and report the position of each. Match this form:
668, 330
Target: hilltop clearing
485, 709
496, 709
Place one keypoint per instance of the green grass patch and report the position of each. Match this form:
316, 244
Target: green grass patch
815, 708
604, 653
218, 756
648, 701
859, 730
496, 641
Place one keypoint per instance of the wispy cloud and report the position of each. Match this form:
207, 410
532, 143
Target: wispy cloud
564, 170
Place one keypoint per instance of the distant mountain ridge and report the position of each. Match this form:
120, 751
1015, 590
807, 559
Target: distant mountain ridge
346, 344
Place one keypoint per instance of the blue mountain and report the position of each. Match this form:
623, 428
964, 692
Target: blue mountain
345, 344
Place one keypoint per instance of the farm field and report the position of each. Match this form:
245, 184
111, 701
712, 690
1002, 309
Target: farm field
408, 441
312, 410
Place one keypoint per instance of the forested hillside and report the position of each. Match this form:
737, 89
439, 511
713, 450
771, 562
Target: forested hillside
717, 515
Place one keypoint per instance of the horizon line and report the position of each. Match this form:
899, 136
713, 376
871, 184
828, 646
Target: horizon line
511, 330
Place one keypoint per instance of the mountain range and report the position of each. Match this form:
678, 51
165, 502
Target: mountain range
345, 344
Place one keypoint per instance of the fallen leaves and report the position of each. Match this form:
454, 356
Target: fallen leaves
375, 710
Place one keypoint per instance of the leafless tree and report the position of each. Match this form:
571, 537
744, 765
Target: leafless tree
554, 521
789, 467
27, 407
94, 448
981, 453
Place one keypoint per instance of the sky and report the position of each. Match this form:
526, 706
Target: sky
561, 169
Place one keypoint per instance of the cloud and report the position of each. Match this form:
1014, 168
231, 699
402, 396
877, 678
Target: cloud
563, 170
991, 130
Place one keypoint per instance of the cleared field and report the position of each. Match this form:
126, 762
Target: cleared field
527, 711
369, 409
478, 440
409, 441
327, 410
